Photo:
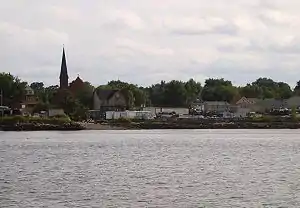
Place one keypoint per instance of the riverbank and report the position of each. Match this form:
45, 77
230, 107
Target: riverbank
196, 124
65, 124
20, 123
42, 127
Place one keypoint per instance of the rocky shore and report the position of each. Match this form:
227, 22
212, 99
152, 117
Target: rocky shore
230, 125
42, 127
20, 123
207, 124
67, 125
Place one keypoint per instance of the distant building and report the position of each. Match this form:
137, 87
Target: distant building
29, 101
247, 102
64, 86
293, 102
109, 100
76, 85
216, 107
64, 77
158, 110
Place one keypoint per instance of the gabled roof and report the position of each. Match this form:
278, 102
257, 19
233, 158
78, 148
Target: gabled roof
248, 100
216, 103
254, 100
105, 94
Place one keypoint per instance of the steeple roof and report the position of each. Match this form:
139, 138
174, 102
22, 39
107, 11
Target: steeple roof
64, 77
63, 69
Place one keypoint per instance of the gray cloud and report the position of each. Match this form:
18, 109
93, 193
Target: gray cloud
146, 42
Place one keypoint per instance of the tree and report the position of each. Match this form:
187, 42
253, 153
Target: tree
297, 88
251, 91
265, 88
13, 89
284, 91
85, 95
37, 86
193, 90
49, 93
219, 90
175, 94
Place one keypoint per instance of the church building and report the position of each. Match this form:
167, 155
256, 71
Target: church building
75, 85
103, 99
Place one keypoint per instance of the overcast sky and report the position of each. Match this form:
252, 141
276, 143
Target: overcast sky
145, 41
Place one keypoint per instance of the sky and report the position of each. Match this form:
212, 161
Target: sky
145, 41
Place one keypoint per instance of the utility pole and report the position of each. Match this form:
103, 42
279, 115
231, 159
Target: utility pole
1, 102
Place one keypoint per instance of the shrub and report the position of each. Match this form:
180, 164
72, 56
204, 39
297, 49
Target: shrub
11, 120
262, 119
123, 120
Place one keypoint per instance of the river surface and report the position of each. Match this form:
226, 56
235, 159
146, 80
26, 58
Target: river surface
165, 168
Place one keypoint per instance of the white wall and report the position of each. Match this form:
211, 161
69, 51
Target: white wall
56, 112
111, 115
156, 110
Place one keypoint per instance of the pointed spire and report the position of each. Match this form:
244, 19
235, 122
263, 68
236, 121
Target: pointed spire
64, 78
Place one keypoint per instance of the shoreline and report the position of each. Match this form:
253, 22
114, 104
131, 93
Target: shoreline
153, 124
196, 125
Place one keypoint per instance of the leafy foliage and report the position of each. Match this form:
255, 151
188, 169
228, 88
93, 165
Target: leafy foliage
166, 94
13, 89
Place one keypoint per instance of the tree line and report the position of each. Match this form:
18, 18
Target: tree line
174, 93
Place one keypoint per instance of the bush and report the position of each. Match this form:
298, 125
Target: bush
11, 120
262, 119
61, 117
123, 120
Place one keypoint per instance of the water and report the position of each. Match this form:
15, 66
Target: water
170, 168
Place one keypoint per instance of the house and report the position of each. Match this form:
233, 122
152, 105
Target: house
29, 102
261, 105
108, 100
216, 106
236, 111
247, 102
293, 102
266, 105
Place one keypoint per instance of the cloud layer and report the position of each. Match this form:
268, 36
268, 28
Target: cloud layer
145, 41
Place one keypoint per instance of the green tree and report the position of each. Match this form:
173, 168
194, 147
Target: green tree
265, 88
251, 91
297, 89
13, 89
49, 94
175, 94
219, 90
37, 86
193, 90
85, 95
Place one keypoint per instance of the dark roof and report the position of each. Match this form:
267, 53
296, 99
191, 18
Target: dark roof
105, 94
64, 69
77, 81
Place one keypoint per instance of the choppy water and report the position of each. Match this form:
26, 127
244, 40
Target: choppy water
171, 168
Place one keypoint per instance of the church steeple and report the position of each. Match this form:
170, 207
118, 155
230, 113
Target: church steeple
64, 78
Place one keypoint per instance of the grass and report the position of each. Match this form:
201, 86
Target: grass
11, 120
